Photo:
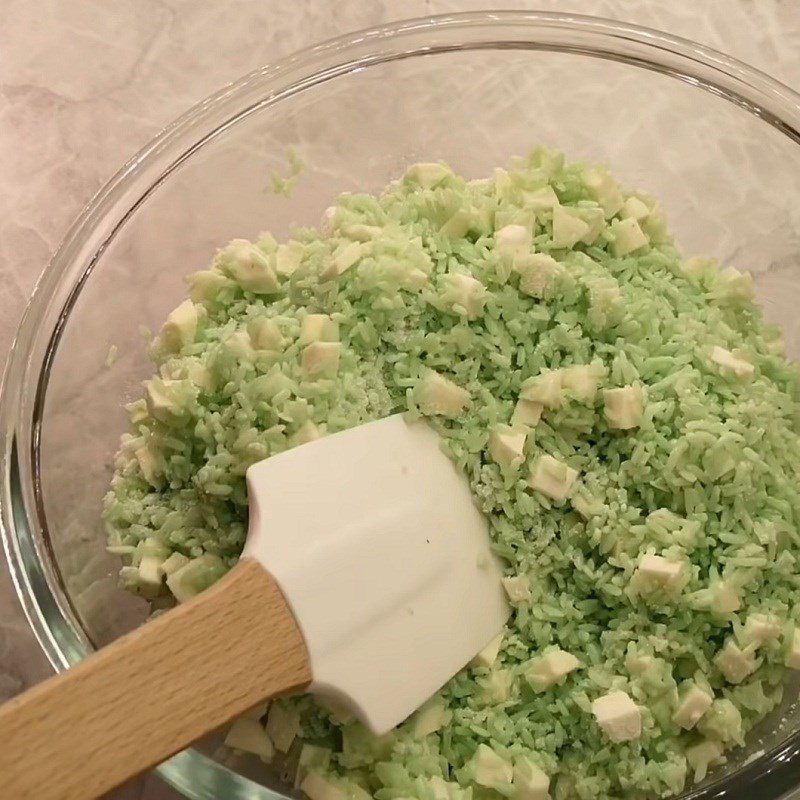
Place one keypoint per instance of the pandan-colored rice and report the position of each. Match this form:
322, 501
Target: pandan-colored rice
546, 324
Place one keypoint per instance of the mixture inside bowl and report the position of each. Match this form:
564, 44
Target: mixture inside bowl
628, 425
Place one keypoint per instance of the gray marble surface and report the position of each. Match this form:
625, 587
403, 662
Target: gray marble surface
85, 83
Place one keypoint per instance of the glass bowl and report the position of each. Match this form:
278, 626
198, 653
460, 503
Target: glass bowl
715, 140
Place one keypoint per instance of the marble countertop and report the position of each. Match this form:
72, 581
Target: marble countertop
85, 83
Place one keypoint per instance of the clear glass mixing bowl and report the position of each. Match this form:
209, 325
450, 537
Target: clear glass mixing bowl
715, 140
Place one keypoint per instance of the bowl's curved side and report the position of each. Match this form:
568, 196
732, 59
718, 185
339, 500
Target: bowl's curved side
22, 517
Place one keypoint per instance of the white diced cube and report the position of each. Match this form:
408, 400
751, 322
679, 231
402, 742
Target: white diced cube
722, 722
157, 397
363, 233
544, 389
568, 229
266, 242
181, 588
439, 395
150, 570
731, 363
338, 711
624, 407
585, 505
639, 664
345, 256
512, 240
429, 718
489, 769
249, 267
354, 791
635, 208
697, 266
428, 175
316, 787
734, 663
628, 236
461, 222
506, 446
540, 199
793, 654
181, 326
174, 563
283, 725
527, 412
307, 432
497, 687
538, 273
131, 580
147, 463
240, 345
530, 781
488, 655
264, 334
724, 598
313, 758
288, 257
441, 790
464, 294
257, 712
605, 300
604, 191
197, 372
205, 285
550, 669
552, 478
137, 411
582, 381
694, 703
518, 588
618, 716
760, 629
701, 756
656, 570
594, 218
318, 328
271, 384
738, 285
321, 359
249, 736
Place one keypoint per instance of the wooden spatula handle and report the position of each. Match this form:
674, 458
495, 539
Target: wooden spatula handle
153, 692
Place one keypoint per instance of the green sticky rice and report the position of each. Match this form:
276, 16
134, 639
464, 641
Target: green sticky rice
456, 300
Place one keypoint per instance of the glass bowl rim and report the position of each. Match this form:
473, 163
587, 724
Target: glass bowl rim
34, 347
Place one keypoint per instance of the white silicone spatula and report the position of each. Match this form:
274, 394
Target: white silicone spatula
366, 577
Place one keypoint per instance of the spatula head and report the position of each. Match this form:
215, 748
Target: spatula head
375, 541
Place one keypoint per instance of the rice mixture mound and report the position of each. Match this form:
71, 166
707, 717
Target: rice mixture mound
628, 425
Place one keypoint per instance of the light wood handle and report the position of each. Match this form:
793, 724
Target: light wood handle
153, 692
